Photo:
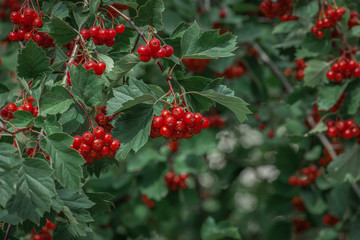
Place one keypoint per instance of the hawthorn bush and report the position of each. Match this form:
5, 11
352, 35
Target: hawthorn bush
152, 119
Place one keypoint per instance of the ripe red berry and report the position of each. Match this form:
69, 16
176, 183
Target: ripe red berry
330, 74
169, 121
100, 68
355, 131
35, 111
165, 131
99, 132
319, 34
347, 134
145, 58
37, 22
100, 119
84, 148
115, 144
154, 45
331, 132
143, 50
15, 17
94, 30
103, 33
88, 138
180, 126
77, 141
11, 107
189, 118
105, 150
178, 113
157, 122
349, 123
120, 28
165, 113
97, 144
90, 65
161, 53
169, 50
340, 125
206, 123
85, 33
28, 107
13, 36
107, 138
112, 33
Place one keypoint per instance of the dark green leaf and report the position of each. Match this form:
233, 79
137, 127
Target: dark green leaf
22, 119
212, 231
123, 66
151, 14
93, 6
60, 10
58, 100
50, 124
62, 32
315, 73
328, 95
102, 202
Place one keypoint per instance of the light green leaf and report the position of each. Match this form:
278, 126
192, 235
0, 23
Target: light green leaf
22, 119
50, 124
58, 100
328, 95
66, 161
315, 73
123, 66
60, 10
151, 14
212, 231
61, 32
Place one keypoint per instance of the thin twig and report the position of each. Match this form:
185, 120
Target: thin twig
7, 232
72, 58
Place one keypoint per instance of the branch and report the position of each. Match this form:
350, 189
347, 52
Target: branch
265, 58
72, 58
7, 232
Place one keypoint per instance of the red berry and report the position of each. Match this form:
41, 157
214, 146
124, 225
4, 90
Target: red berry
11, 107
319, 34
189, 118
169, 121
330, 74
28, 36
4, 112
165, 113
115, 144
99, 132
157, 122
28, 107
88, 138
103, 33
94, 30
349, 123
13, 36
112, 33
105, 150
161, 53
100, 68
178, 113
143, 50
85, 33
165, 131
90, 65
15, 17
77, 141
97, 144
37, 22
206, 123
222, 13
154, 45
120, 28
169, 50
340, 125
84, 149
100, 119
145, 58
35, 111
180, 126
331, 132
347, 134
314, 30
107, 138
355, 131
198, 119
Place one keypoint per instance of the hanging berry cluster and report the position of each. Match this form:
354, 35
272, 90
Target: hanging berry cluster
96, 145
235, 71
300, 66
27, 20
280, 8
342, 129
101, 36
177, 124
300, 225
354, 19
175, 182
309, 175
298, 203
102, 120
343, 69
196, 65
330, 219
154, 50
333, 15
11, 6
45, 233
7, 112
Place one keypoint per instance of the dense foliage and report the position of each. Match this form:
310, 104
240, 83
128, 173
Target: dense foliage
152, 119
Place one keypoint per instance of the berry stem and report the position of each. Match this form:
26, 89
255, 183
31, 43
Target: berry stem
136, 43
7, 232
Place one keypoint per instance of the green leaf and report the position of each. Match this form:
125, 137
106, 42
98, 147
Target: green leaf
212, 231
315, 73
344, 168
137, 122
123, 66
355, 31
50, 124
320, 127
8, 175
32, 61
338, 199
195, 83
81, 15
60, 58
208, 44
235, 104
58, 100
279, 229
328, 234
306, 9
61, 32
93, 6
285, 27
33, 191
60, 10
66, 161
86, 86
130, 95
22, 119
102, 202
71, 119
355, 230
4, 93
354, 99
328, 95
314, 204
151, 14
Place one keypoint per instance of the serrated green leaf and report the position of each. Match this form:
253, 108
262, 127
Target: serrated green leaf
328, 95
33, 191
355, 31
314, 204
354, 99
123, 66
58, 100
60, 10
212, 231
93, 6
4, 93
86, 86
22, 119
344, 168
66, 161
137, 122
320, 127
306, 9
81, 15
195, 83
151, 14
60, 58
285, 27
129, 95
61, 32
102, 202
32, 61
71, 119
206, 45
315, 73
50, 124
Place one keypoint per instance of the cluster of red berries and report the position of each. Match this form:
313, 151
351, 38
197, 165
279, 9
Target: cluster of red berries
7, 112
175, 182
177, 124
101, 36
154, 50
298, 203
11, 5
309, 175
342, 129
343, 69
27, 21
112, 13
354, 19
333, 15
300, 225
147, 201
235, 71
330, 219
338, 148
95, 145
196, 65
280, 8
45, 233
102, 120
300, 66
